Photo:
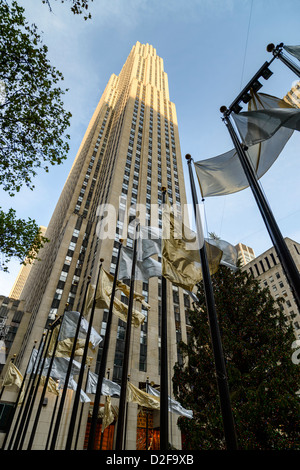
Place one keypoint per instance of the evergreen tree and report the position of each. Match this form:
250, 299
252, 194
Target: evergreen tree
262, 378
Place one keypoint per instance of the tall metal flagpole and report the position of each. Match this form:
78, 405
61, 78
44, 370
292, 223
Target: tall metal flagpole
28, 387
81, 411
126, 416
53, 326
147, 415
164, 411
82, 368
40, 405
102, 369
66, 384
221, 375
284, 255
53, 416
30, 397
122, 402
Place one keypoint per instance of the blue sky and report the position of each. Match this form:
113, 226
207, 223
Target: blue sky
211, 48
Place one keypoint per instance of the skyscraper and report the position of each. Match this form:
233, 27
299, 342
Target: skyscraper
22, 276
245, 253
129, 152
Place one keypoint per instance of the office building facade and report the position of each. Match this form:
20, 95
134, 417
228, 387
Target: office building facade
245, 253
130, 151
268, 270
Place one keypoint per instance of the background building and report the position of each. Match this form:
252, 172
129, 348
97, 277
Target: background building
129, 152
267, 268
22, 276
293, 96
245, 253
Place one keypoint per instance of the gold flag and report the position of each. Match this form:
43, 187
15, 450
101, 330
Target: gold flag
180, 254
64, 348
51, 385
135, 395
108, 417
13, 376
120, 309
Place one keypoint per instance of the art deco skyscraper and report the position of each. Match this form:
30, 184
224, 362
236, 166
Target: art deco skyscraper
129, 152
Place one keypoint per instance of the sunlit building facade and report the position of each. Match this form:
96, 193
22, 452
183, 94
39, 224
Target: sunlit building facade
130, 151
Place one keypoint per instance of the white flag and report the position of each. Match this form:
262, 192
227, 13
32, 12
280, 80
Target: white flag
72, 385
294, 50
69, 326
109, 388
224, 174
266, 115
149, 242
33, 361
144, 269
174, 406
265, 129
60, 367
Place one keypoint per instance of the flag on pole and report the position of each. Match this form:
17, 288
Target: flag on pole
67, 332
59, 368
180, 253
144, 269
293, 50
229, 256
265, 116
103, 296
13, 376
108, 416
135, 395
108, 387
148, 244
72, 385
69, 325
52, 385
224, 174
33, 361
174, 406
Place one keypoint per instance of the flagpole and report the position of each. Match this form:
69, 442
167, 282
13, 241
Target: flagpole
122, 402
277, 52
126, 416
52, 419
39, 409
164, 411
92, 435
53, 326
221, 374
82, 368
30, 397
147, 416
28, 387
102, 432
81, 411
284, 255
66, 383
